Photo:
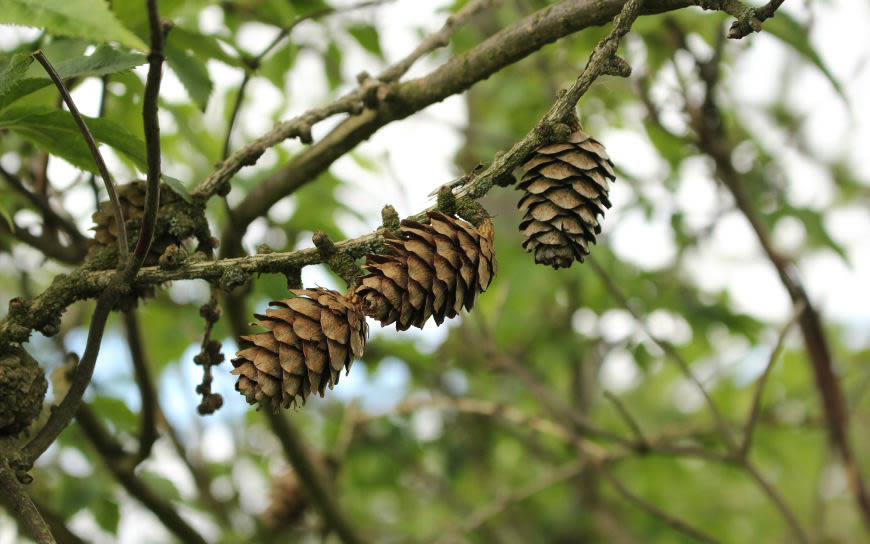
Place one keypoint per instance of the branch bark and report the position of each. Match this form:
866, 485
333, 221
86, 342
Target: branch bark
22, 507
314, 483
506, 47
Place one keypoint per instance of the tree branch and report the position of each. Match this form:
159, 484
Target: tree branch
754, 412
669, 349
121, 468
48, 213
95, 151
152, 139
254, 63
652, 509
311, 478
482, 515
21, 507
709, 128
148, 423
62, 414
506, 47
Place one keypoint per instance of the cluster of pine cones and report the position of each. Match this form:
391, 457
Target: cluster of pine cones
434, 270
431, 270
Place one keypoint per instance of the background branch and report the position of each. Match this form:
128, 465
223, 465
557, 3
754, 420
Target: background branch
121, 468
313, 481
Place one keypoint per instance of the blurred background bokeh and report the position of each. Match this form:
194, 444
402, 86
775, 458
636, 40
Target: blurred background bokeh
465, 432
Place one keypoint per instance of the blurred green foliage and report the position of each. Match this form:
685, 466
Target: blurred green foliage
441, 473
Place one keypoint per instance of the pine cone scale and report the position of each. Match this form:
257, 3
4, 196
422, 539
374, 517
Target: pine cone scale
435, 270
309, 339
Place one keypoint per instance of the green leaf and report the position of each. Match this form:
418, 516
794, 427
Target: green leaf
178, 188
191, 72
107, 514
367, 37
57, 133
280, 11
203, 46
788, 30
87, 19
278, 64
104, 60
12, 68
332, 61
161, 486
4, 213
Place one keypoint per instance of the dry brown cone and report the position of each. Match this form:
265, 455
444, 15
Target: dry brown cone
131, 197
566, 188
288, 501
309, 339
434, 271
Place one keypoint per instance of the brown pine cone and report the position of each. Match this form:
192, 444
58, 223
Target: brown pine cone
566, 187
289, 502
131, 197
308, 340
434, 270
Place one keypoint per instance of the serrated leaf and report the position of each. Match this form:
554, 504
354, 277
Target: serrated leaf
178, 188
57, 133
192, 74
791, 32
12, 68
104, 60
87, 19
368, 38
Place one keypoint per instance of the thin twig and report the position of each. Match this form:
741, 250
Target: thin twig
626, 415
254, 63
486, 513
712, 139
669, 349
151, 124
21, 507
437, 40
48, 213
101, 110
312, 479
778, 501
118, 464
148, 421
754, 412
57, 524
652, 509
62, 415
95, 152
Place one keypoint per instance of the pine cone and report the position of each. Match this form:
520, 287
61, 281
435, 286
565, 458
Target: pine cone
289, 502
131, 197
434, 270
566, 187
308, 340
